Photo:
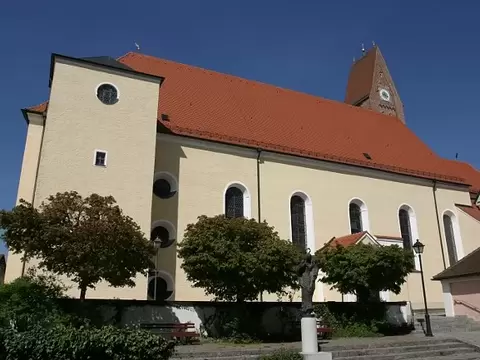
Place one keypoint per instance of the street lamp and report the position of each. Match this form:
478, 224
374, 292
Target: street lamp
157, 242
418, 247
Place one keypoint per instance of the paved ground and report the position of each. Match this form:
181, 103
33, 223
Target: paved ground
472, 338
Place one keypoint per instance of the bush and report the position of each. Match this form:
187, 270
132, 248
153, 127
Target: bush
283, 354
353, 319
30, 301
238, 323
64, 342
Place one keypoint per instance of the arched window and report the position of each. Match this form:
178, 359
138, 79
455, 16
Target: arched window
298, 221
408, 229
405, 228
450, 239
234, 204
358, 215
355, 218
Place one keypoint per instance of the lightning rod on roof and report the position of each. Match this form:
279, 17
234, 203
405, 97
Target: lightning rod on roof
456, 156
363, 49
137, 46
373, 42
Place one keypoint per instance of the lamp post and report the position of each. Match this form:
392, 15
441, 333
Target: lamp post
419, 247
157, 242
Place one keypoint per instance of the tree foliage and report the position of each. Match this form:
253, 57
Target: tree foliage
30, 300
237, 259
87, 239
365, 269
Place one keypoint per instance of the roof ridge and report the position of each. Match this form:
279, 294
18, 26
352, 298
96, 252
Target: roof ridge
464, 163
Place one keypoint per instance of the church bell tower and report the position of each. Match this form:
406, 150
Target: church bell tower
370, 85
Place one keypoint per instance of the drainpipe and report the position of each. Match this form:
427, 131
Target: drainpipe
259, 153
438, 223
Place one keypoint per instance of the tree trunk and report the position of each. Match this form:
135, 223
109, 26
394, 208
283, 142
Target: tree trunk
83, 292
363, 295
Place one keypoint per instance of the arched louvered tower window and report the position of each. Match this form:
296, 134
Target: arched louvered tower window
298, 221
450, 239
405, 228
356, 225
234, 204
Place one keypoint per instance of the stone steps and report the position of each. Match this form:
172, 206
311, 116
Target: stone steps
442, 324
376, 349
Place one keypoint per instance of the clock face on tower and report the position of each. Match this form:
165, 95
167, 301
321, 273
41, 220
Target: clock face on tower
384, 95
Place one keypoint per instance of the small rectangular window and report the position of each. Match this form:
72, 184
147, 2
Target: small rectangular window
100, 158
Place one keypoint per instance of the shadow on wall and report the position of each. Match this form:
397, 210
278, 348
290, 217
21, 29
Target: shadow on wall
121, 312
164, 230
272, 321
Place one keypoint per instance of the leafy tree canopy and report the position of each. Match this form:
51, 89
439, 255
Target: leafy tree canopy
365, 269
237, 259
87, 239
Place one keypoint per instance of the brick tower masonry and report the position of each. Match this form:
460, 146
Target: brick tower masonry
371, 86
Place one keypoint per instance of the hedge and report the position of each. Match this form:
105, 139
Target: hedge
69, 343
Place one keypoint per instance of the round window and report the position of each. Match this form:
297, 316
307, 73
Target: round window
163, 189
162, 234
158, 289
107, 94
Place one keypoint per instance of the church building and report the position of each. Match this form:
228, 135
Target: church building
172, 141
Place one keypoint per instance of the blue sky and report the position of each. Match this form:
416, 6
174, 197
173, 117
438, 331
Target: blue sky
431, 48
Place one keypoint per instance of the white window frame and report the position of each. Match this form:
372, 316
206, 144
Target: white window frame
412, 217
309, 222
310, 233
165, 175
247, 199
107, 83
168, 279
363, 214
172, 231
95, 157
456, 234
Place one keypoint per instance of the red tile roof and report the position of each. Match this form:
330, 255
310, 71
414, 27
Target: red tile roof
389, 237
346, 240
213, 106
467, 266
361, 77
39, 108
472, 210
466, 171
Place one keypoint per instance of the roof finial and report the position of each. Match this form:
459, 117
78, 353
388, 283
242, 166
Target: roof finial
373, 43
363, 49
137, 46
354, 59
456, 156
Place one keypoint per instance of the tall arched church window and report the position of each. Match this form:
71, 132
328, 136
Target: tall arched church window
234, 202
356, 225
405, 228
298, 221
450, 239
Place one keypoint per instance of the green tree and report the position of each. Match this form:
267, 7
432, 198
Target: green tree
87, 239
365, 270
237, 259
30, 300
